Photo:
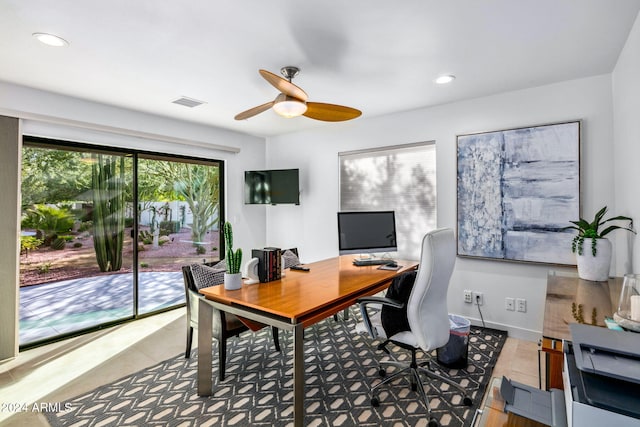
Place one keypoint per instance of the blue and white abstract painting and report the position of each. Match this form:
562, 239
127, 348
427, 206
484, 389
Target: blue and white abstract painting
517, 190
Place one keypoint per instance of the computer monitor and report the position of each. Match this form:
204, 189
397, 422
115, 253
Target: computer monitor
366, 232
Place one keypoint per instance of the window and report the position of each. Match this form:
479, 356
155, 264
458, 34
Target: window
400, 178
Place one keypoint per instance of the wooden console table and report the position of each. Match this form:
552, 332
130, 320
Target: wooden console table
591, 301
493, 414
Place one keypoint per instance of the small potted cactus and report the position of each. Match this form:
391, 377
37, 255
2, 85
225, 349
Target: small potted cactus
232, 277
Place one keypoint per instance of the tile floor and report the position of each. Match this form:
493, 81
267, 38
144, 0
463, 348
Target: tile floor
59, 371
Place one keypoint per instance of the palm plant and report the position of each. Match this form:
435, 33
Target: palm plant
591, 230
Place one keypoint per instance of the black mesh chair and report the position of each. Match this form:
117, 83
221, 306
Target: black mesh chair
225, 325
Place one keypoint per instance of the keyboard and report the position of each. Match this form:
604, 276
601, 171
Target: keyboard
372, 261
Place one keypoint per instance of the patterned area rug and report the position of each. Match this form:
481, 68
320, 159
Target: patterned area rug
257, 391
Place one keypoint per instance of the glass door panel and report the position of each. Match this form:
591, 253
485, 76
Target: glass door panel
76, 253
178, 220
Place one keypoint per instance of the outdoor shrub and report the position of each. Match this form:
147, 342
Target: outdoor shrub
49, 219
163, 239
86, 225
169, 227
58, 244
44, 268
128, 222
145, 237
29, 243
77, 245
144, 265
200, 249
67, 238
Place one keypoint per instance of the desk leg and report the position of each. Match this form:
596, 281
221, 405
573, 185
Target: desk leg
298, 376
205, 348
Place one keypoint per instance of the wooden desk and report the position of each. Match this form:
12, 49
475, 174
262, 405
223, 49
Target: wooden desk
296, 301
563, 290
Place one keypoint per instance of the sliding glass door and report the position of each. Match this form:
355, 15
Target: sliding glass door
178, 218
104, 234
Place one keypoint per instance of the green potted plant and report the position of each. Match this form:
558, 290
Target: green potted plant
594, 264
232, 277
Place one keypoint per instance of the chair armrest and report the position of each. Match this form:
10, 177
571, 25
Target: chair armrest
380, 300
364, 301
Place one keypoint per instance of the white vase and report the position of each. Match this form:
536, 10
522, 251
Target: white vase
232, 281
595, 268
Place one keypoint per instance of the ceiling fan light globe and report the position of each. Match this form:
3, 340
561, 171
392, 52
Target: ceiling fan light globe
290, 108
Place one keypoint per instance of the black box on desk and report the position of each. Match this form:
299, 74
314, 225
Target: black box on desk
269, 263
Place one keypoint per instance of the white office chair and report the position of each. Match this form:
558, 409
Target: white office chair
426, 313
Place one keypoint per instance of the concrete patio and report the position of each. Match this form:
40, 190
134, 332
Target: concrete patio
57, 308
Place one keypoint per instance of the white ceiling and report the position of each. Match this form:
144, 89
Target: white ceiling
377, 56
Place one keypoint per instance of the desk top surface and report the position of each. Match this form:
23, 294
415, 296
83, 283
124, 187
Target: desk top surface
569, 298
301, 293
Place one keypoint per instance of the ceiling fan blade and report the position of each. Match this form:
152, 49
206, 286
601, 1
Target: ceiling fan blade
253, 111
284, 85
330, 112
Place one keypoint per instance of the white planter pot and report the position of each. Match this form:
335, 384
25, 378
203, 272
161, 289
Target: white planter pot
595, 268
233, 281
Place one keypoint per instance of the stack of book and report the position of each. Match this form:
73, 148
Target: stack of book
269, 263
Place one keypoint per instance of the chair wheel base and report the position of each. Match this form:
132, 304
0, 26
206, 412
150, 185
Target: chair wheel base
375, 402
433, 423
467, 401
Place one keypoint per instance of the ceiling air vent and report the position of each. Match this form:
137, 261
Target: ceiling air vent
188, 102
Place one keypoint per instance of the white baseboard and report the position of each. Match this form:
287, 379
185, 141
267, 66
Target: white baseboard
512, 331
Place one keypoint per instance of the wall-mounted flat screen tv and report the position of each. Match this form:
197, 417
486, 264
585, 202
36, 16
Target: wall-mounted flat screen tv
272, 187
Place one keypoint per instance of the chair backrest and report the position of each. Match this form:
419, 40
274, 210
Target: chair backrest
191, 287
427, 306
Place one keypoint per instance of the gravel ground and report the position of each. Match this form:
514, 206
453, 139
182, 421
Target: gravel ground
47, 265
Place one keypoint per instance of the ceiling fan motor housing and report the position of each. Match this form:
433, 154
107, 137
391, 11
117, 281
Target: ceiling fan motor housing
289, 72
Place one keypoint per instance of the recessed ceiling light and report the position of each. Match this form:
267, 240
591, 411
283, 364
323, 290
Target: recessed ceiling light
50, 39
448, 78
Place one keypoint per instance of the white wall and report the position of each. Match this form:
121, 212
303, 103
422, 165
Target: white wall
626, 134
312, 225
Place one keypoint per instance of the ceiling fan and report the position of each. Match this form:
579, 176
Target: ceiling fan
292, 101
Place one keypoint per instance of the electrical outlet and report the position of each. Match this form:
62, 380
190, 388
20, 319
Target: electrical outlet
478, 298
521, 305
510, 304
468, 297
